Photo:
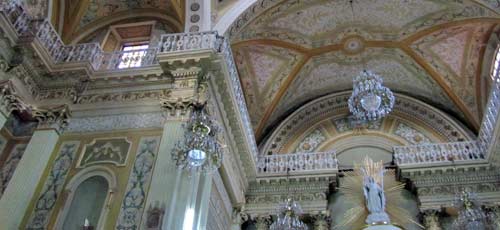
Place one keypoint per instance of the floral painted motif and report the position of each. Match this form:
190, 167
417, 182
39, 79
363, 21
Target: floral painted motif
311, 142
53, 186
105, 151
411, 135
345, 124
140, 177
10, 166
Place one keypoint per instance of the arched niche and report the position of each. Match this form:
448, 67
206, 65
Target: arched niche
324, 124
89, 193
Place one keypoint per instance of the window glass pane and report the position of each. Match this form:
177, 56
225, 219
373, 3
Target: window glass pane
132, 56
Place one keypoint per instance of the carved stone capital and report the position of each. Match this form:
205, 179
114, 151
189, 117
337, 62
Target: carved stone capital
262, 222
9, 101
56, 117
239, 216
321, 221
431, 219
177, 108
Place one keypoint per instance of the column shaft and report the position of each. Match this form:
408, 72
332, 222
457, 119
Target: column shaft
22, 186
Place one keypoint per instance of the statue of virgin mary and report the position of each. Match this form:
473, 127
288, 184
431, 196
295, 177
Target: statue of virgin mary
373, 188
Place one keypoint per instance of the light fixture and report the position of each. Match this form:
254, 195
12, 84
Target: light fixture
370, 100
288, 213
470, 213
200, 149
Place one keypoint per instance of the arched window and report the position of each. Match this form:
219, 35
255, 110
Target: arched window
88, 202
496, 65
89, 192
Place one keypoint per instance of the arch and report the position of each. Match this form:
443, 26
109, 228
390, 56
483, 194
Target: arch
74, 183
130, 14
434, 124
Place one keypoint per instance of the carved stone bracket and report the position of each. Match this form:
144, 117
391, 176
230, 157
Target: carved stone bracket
431, 219
56, 117
9, 101
239, 216
177, 108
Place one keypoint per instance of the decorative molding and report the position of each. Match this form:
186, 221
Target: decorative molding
116, 122
56, 117
105, 151
140, 177
177, 108
53, 186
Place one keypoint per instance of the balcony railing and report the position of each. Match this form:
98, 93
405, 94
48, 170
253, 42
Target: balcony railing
438, 153
182, 42
279, 164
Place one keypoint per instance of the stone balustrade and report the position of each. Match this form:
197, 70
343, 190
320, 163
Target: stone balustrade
128, 59
182, 42
279, 164
438, 153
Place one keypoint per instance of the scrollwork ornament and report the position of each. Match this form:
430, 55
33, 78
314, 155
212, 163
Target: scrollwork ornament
177, 108
52, 117
9, 101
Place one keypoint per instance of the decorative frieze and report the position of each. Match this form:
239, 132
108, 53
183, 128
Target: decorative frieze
56, 117
116, 122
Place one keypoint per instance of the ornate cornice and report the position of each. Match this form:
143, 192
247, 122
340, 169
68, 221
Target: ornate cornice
55, 117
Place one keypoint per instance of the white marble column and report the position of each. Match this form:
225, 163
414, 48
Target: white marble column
21, 188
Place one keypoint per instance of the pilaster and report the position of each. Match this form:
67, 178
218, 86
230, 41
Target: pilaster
22, 186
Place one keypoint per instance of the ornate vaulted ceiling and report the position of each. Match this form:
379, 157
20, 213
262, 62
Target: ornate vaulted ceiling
89, 14
290, 52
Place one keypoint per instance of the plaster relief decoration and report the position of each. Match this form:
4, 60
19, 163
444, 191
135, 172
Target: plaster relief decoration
105, 151
140, 177
53, 185
345, 124
263, 69
10, 165
311, 142
413, 136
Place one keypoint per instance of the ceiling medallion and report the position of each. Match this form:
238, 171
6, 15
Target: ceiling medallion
370, 100
353, 45
200, 150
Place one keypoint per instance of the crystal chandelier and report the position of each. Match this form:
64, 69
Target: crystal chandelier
200, 150
370, 100
288, 217
470, 214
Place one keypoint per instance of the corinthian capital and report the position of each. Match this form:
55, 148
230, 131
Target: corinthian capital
431, 220
56, 117
9, 101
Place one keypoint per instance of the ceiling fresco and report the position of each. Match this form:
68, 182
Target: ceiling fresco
97, 9
291, 52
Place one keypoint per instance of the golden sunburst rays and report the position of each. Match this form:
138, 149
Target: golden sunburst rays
352, 188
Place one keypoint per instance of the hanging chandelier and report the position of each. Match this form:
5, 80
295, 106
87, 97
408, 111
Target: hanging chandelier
288, 217
470, 214
370, 100
200, 150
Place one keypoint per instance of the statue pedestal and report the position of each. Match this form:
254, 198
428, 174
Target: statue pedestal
383, 227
